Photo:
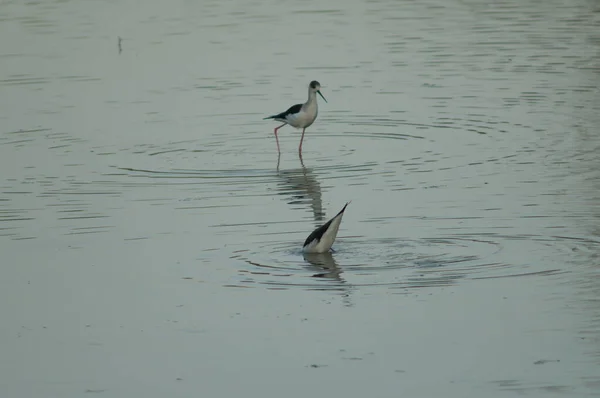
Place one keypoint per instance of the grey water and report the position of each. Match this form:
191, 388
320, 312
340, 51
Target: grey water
150, 235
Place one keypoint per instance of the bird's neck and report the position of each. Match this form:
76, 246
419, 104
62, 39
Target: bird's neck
312, 97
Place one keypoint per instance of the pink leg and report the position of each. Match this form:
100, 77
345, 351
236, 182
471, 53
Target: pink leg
301, 139
277, 139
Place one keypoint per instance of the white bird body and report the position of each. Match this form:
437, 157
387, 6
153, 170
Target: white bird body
322, 238
304, 117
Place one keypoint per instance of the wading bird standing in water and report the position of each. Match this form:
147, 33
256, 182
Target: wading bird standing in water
300, 116
322, 238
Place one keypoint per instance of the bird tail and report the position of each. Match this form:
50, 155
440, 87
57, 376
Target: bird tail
269, 117
341, 211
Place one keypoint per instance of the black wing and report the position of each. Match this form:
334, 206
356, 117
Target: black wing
293, 109
319, 232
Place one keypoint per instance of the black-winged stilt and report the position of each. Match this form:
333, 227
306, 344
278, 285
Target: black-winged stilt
322, 238
300, 116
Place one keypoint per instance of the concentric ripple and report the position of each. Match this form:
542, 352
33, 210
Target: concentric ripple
390, 262
384, 262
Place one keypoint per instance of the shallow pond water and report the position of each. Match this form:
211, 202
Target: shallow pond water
151, 235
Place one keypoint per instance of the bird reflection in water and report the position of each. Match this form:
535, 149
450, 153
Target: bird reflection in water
302, 186
324, 262
327, 268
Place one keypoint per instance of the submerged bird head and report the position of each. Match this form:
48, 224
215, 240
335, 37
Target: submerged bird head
315, 87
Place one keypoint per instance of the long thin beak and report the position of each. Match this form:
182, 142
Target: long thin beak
321, 95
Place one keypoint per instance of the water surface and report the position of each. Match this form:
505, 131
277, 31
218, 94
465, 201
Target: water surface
150, 233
